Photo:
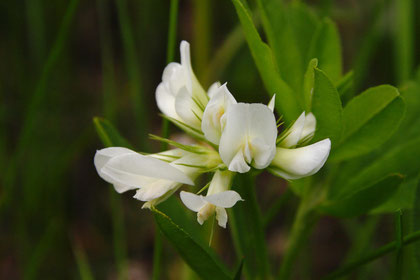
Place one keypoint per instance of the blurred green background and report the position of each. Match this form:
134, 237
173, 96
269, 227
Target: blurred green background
64, 62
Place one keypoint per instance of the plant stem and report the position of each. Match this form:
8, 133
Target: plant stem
388, 248
305, 219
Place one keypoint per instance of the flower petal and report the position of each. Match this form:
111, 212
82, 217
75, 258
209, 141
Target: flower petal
238, 163
155, 190
300, 162
213, 89
272, 103
131, 169
294, 133
188, 109
226, 199
221, 216
192, 201
219, 102
309, 128
166, 101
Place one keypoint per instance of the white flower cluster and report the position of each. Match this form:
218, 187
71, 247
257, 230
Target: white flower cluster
232, 137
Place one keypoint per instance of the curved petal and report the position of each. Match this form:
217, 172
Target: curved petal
226, 199
165, 101
192, 201
132, 168
155, 190
244, 124
188, 109
294, 133
272, 103
104, 155
221, 216
219, 102
213, 89
263, 153
309, 128
238, 163
301, 162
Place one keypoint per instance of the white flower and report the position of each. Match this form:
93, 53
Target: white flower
217, 199
180, 95
294, 163
213, 117
154, 179
249, 137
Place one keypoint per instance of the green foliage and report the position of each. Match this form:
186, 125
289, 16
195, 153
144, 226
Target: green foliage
108, 134
326, 106
286, 103
200, 258
368, 121
416, 225
363, 201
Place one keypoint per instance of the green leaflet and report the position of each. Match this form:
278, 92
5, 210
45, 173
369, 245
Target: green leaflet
326, 47
369, 120
286, 101
365, 200
403, 159
416, 226
326, 106
108, 134
200, 258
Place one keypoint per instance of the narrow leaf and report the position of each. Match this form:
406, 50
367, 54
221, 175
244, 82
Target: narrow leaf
201, 259
326, 106
108, 134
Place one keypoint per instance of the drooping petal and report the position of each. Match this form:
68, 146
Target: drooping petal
309, 128
226, 199
294, 133
192, 201
300, 162
221, 216
219, 102
263, 153
238, 163
155, 189
245, 122
166, 101
272, 103
132, 168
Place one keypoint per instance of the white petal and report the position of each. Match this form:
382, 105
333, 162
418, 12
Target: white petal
192, 201
131, 169
226, 199
220, 182
294, 133
213, 89
219, 103
169, 155
309, 127
104, 155
263, 153
187, 109
155, 190
221, 216
238, 163
166, 101
301, 162
272, 103
244, 123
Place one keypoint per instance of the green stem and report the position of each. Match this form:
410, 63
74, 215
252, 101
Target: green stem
305, 219
382, 251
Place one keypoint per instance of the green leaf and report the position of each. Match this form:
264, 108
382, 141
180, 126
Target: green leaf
286, 101
308, 84
326, 106
326, 46
108, 134
369, 120
245, 217
363, 201
238, 274
345, 86
403, 159
201, 259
